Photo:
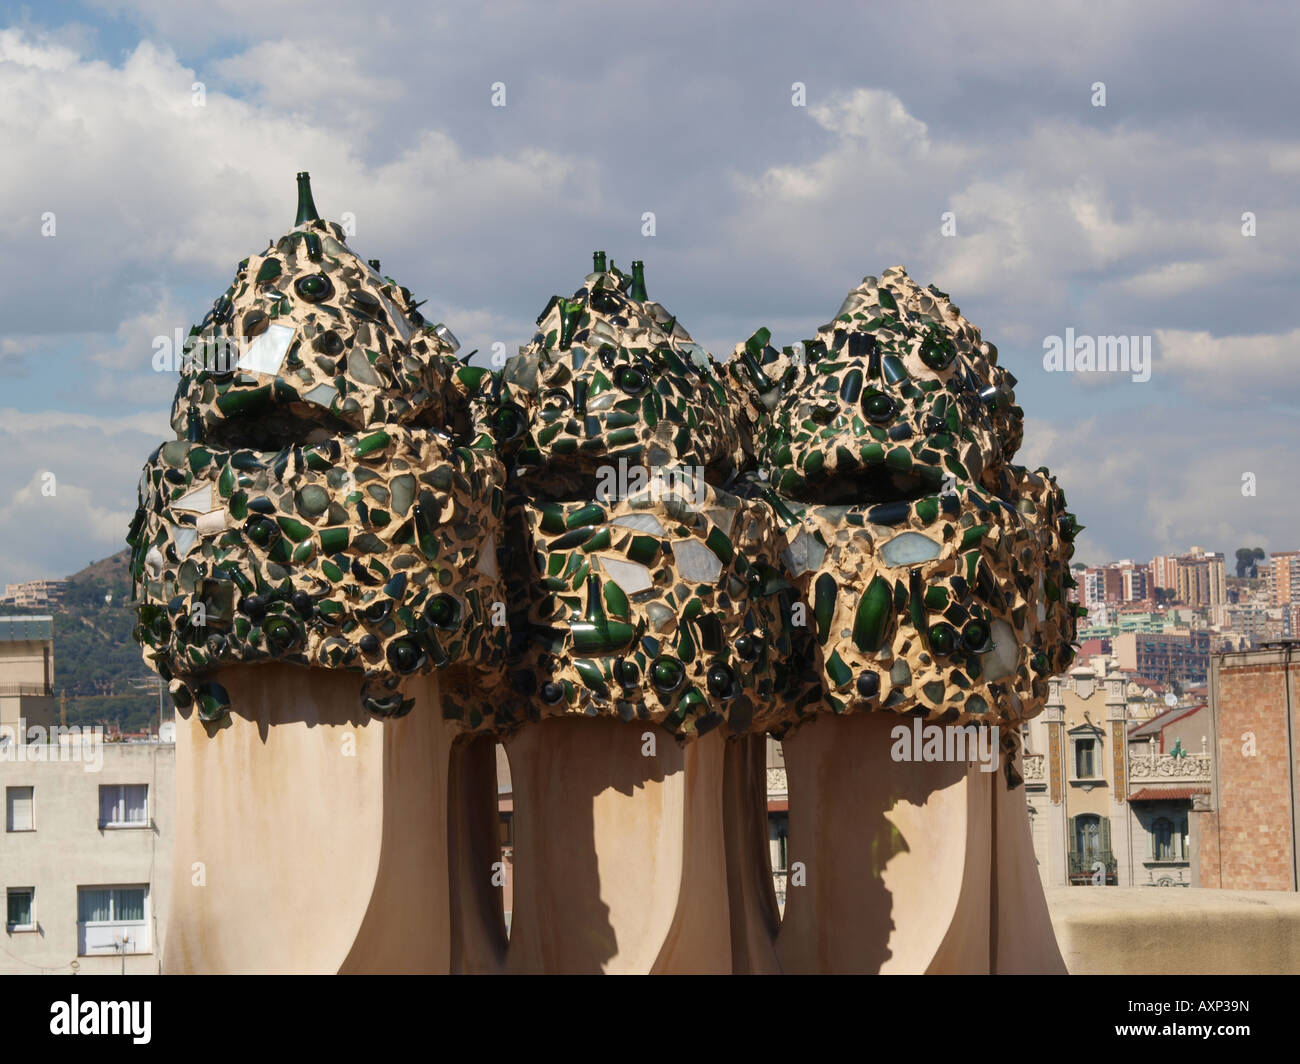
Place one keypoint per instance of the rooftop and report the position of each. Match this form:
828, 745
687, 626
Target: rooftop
19, 629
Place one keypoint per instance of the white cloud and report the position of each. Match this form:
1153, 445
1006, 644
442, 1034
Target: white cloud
1177, 481
1258, 370
1117, 221
95, 462
875, 116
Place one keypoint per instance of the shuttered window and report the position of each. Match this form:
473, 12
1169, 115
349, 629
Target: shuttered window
18, 809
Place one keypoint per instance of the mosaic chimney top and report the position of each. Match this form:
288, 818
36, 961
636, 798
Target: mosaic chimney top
329, 500
610, 524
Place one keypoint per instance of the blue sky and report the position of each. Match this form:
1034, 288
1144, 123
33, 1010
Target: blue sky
1122, 219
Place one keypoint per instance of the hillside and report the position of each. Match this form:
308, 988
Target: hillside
96, 662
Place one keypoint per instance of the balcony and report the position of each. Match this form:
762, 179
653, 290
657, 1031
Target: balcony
32, 690
1082, 866
1154, 767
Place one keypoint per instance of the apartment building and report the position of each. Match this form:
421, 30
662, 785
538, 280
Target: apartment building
1073, 780
1202, 579
1182, 655
86, 846
85, 856
1123, 581
1164, 572
26, 671
1169, 766
33, 594
1282, 577
1110, 796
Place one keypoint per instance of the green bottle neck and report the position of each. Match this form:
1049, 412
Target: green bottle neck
637, 291
306, 206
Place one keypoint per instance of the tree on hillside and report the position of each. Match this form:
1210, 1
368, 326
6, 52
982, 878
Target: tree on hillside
1248, 559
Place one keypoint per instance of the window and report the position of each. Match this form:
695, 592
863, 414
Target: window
18, 809
507, 830
18, 916
1168, 840
112, 920
124, 805
1085, 759
778, 837
778, 841
1087, 836
1162, 839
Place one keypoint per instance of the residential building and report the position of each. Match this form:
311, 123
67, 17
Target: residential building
1074, 780
1116, 619
1123, 581
1110, 784
1249, 836
26, 671
1135, 585
1168, 772
33, 594
1201, 579
1283, 577
86, 854
1164, 572
1253, 621
1181, 655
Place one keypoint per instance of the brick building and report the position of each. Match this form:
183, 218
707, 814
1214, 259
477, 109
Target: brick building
1248, 836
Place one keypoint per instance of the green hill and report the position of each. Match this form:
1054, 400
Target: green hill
96, 662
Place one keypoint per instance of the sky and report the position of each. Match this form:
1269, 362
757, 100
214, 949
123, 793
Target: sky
1112, 169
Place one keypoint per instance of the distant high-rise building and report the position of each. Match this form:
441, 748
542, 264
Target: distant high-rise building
1123, 581
1283, 577
1136, 581
1094, 586
1199, 579
1164, 572
1181, 655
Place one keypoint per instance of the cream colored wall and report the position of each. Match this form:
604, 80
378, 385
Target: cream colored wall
20, 712
68, 849
23, 662
1084, 799
1192, 931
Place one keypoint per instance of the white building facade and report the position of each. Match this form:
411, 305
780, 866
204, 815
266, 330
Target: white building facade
85, 856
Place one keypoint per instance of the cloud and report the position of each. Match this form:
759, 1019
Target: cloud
1252, 370
151, 191
1118, 220
68, 486
1174, 482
